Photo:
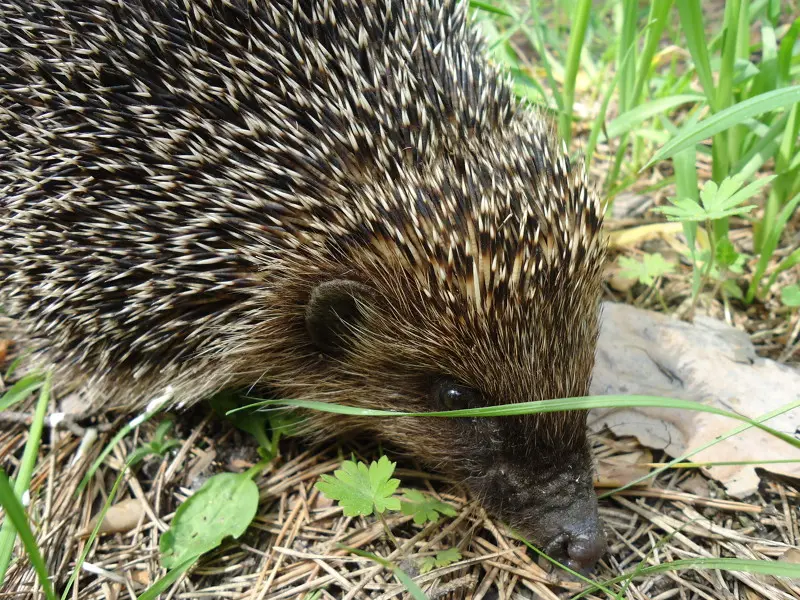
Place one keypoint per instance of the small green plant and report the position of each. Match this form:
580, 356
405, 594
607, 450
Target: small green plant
258, 424
425, 508
159, 445
442, 559
363, 490
734, 97
648, 270
21, 483
790, 296
716, 201
224, 506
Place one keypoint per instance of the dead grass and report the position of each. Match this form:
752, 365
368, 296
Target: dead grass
290, 550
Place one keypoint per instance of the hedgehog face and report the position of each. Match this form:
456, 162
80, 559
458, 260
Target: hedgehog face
533, 471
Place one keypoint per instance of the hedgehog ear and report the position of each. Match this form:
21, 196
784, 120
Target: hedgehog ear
332, 311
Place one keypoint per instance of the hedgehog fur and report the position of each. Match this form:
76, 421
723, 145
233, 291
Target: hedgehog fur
337, 200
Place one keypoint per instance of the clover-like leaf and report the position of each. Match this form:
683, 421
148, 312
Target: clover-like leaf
726, 254
790, 295
716, 201
648, 270
361, 490
442, 559
224, 506
424, 507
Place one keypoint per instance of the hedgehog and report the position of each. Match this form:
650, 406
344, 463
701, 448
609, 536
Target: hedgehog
331, 200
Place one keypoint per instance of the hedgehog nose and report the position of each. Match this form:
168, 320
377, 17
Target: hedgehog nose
585, 547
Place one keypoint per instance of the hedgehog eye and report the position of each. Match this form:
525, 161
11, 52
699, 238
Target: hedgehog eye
450, 395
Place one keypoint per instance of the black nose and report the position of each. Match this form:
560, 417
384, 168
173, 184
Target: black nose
580, 546
585, 548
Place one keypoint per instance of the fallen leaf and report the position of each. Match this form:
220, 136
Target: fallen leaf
697, 485
621, 469
792, 555
120, 518
647, 353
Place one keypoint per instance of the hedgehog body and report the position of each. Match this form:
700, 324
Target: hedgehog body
338, 200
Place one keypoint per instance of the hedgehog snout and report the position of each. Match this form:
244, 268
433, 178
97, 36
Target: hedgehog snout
582, 543
553, 504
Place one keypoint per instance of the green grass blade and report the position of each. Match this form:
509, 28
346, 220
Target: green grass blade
787, 263
785, 54
413, 589
167, 580
726, 119
152, 409
691, 15
488, 7
630, 119
657, 20
576, 39
763, 149
17, 521
100, 517
23, 477
724, 91
627, 41
769, 245
597, 126
553, 561
759, 567
21, 390
536, 407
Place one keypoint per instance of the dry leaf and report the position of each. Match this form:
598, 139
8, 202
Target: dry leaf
621, 469
792, 555
643, 352
697, 485
120, 518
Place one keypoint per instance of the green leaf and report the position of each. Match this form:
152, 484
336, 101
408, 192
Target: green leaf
361, 490
425, 507
224, 506
790, 295
648, 270
171, 577
691, 16
255, 423
725, 119
716, 201
732, 289
27, 465
726, 254
442, 559
488, 7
